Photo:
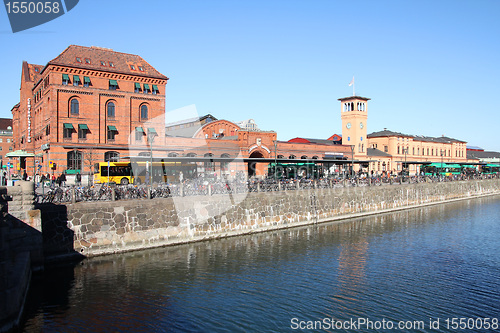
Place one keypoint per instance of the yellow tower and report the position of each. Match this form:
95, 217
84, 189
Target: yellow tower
354, 114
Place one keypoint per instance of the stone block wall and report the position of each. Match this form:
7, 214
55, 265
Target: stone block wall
20, 250
108, 227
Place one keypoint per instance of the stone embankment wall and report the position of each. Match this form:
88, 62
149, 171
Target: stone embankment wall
21, 250
109, 227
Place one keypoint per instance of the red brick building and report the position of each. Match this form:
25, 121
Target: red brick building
88, 104
6, 138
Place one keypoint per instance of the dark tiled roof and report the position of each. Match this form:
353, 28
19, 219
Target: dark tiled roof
121, 61
32, 73
4, 123
483, 154
376, 152
387, 133
353, 97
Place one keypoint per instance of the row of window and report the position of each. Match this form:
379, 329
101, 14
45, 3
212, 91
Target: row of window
75, 158
430, 151
113, 84
88, 61
110, 108
83, 130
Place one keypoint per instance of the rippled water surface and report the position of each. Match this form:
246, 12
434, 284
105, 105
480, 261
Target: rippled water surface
436, 262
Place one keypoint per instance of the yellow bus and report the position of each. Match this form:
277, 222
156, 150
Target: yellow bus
138, 172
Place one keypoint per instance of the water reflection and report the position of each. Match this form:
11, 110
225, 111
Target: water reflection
438, 261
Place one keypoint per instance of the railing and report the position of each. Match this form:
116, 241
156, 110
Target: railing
200, 186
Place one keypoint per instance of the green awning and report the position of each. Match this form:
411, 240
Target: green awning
113, 83
146, 86
83, 126
493, 165
444, 165
152, 130
86, 79
112, 128
155, 87
65, 77
76, 78
139, 129
69, 126
137, 85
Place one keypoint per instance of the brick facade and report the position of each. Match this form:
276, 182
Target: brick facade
87, 105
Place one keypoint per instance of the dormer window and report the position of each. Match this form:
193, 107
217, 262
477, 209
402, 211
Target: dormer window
37, 69
111, 64
141, 68
103, 63
78, 59
87, 61
132, 67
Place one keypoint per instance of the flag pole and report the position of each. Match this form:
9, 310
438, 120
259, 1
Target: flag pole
352, 84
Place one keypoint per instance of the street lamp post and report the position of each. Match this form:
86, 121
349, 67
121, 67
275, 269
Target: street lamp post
275, 158
352, 161
405, 165
151, 138
441, 152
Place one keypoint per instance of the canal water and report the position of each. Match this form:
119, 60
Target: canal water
432, 269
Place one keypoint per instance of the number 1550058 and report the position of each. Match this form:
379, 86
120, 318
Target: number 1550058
32, 7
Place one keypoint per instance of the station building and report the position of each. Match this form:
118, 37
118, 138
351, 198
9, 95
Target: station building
92, 104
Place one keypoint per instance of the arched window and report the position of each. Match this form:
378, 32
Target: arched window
291, 157
172, 155
209, 165
144, 112
304, 157
281, 156
224, 166
191, 155
111, 110
75, 107
315, 157
111, 156
74, 160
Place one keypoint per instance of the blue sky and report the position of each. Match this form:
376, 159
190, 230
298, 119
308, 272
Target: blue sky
429, 67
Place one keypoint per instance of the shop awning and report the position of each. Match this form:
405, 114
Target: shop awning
146, 86
86, 79
19, 153
68, 126
65, 77
113, 83
139, 129
76, 78
152, 130
155, 87
83, 126
137, 85
112, 128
